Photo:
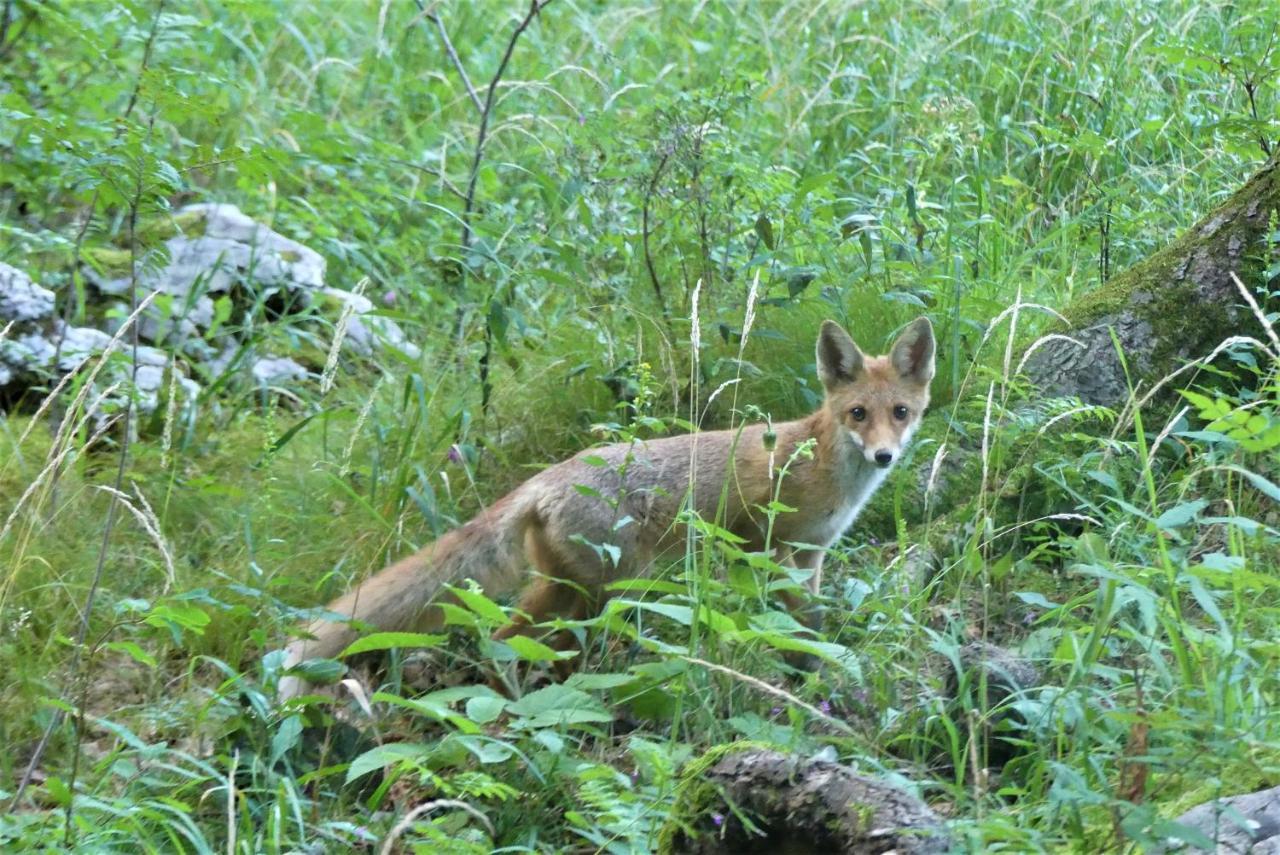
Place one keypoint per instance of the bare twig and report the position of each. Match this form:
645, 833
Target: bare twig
83, 630
770, 689
77, 651
435, 173
5, 16
646, 230
1250, 87
468, 204
403, 825
535, 6
453, 54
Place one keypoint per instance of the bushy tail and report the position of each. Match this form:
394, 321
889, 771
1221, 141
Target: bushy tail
488, 549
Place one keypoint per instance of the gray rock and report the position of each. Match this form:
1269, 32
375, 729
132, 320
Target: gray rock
21, 299
274, 370
232, 248
1248, 824
77, 344
366, 332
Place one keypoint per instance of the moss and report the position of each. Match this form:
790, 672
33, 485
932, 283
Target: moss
112, 261
696, 796
159, 229
108, 261
1182, 291
1236, 778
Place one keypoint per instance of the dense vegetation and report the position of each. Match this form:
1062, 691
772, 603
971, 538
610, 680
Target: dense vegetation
669, 198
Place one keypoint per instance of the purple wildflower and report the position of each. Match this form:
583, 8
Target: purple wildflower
718, 819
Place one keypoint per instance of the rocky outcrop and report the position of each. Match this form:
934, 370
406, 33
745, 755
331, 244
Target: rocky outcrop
215, 272
1248, 824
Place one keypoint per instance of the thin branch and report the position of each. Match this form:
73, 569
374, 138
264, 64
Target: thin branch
1263, 142
83, 630
469, 203
435, 173
645, 231
5, 15
403, 825
453, 54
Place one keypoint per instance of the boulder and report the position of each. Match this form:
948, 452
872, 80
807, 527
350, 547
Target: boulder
219, 248
200, 254
21, 300
991, 679
1248, 824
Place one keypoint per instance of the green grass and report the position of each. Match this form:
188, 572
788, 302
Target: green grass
908, 158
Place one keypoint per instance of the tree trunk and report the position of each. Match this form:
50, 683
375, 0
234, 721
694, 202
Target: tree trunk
1174, 306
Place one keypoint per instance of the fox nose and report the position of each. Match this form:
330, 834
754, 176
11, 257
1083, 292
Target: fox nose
884, 458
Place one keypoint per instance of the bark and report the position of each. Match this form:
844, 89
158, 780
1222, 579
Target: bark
1175, 306
794, 806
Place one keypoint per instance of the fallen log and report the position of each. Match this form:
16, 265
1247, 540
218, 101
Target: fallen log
747, 798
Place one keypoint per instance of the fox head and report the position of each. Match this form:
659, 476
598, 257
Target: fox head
877, 401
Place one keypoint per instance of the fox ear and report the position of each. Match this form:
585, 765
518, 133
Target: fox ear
912, 353
839, 359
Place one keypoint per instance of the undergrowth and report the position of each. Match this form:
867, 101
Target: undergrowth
648, 172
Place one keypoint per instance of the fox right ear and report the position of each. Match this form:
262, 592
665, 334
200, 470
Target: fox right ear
839, 359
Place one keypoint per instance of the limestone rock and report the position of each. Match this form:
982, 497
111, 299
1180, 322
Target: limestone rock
274, 370
21, 299
232, 248
1248, 824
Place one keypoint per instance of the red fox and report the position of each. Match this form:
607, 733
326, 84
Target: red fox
544, 536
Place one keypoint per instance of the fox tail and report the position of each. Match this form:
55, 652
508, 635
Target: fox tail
489, 549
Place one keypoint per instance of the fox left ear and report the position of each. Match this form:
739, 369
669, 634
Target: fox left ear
912, 353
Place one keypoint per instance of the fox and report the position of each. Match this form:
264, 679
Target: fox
542, 538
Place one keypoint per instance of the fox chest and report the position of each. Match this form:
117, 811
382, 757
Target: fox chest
823, 515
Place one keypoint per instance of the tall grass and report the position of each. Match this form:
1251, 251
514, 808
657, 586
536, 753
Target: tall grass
765, 165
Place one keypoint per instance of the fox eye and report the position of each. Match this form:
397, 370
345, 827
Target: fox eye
858, 413
899, 412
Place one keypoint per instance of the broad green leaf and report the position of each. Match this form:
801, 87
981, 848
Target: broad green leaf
321, 672
477, 602
386, 755
532, 650
1181, 514
558, 706
483, 710
388, 640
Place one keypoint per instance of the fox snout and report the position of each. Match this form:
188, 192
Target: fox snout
878, 450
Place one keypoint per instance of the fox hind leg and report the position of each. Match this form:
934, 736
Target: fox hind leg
551, 594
